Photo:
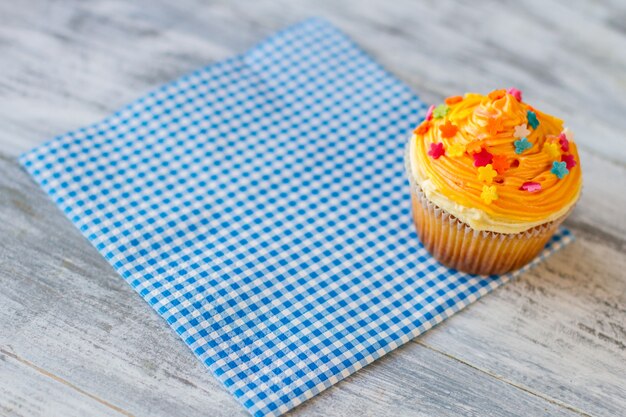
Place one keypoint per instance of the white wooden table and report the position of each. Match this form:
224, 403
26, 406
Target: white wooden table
75, 340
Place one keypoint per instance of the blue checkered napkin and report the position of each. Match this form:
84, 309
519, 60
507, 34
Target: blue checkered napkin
259, 205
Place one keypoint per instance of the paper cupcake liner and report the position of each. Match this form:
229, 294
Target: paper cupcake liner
457, 245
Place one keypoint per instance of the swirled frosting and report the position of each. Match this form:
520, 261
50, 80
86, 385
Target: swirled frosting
495, 162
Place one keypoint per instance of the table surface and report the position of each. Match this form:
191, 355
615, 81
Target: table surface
75, 339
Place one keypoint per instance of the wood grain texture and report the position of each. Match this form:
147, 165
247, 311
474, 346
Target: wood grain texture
76, 340
30, 391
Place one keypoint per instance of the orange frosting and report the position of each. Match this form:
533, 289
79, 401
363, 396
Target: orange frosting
486, 163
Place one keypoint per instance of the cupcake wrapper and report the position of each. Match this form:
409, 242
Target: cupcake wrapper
459, 246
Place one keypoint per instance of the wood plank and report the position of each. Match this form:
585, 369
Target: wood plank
76, 63
65, 309
558, 330
415, 381
30, 391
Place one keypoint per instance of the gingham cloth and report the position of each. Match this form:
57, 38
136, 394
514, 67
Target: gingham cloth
260, 206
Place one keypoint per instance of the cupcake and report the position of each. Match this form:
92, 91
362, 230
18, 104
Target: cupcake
491, 180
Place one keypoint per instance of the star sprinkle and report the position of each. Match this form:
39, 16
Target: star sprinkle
569, 160
522, 145
429, 112
515, 93
474, 147
564, 142
482, 158
552, 149
500, 164
440, 111
448, 130
436, 150
532, 119
455, 150
489, 194
497, 94
521, 131
422, 129
494, 125
486, 174
531, 187
559, 169
453, 100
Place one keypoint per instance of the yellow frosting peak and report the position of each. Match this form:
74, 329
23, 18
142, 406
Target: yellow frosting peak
497, 159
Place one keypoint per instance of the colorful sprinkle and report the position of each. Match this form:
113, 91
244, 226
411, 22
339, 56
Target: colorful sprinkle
494, 125
500, 164
497, 94
552, 149
489, 194
515, 93
559, 169
564, 142
522, 145
436, 150
482, 158
423, 128
448, 130
475, 146
486, 174
455, 150
440, 111
429, 112
521, 131
569, 160
568, 134
531, 187
532, 119
453, 100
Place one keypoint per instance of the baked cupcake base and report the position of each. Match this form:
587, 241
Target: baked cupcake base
456, 245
